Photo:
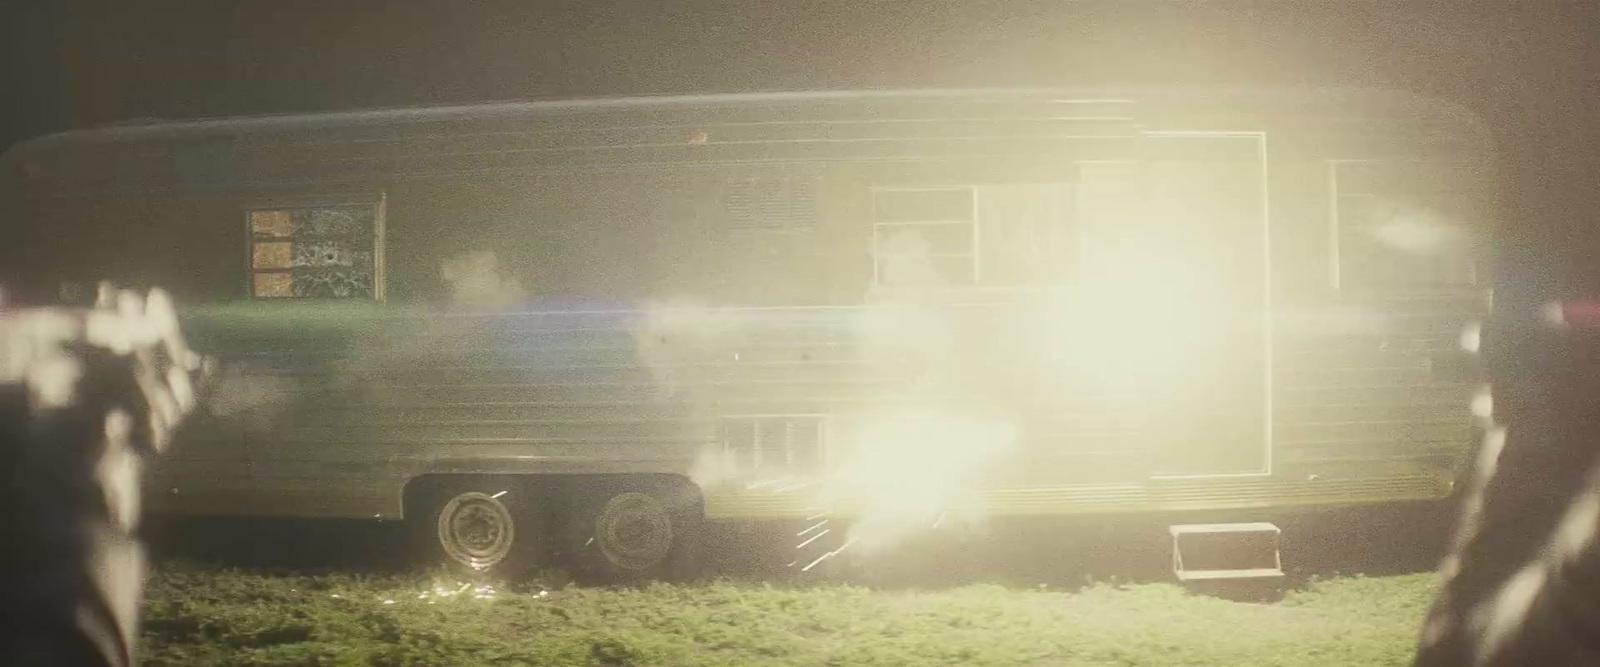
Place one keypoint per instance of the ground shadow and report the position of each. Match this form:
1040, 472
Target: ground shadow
1055, 553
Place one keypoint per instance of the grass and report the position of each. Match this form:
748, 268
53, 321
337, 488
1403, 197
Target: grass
199, 616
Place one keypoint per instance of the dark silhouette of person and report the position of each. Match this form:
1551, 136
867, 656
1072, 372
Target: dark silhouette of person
86, 396
1521, 585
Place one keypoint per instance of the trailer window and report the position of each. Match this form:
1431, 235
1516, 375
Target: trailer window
773, 444
995, 235
1400, 226
316, 252
1027, 234
924, 237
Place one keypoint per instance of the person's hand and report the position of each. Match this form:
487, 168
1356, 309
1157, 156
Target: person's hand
48, 350
85, 396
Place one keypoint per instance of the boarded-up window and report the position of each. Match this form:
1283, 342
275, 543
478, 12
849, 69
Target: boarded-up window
315, 252
1402, 225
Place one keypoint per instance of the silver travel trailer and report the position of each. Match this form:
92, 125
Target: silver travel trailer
605, 321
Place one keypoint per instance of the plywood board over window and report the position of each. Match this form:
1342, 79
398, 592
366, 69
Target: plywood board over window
317, 251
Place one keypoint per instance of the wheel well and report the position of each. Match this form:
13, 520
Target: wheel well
561, 491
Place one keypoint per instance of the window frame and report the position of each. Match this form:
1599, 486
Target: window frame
728, 458
1337, 229
378, 203
975, 277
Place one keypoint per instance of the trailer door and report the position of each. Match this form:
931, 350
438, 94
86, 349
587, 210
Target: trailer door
1180, 268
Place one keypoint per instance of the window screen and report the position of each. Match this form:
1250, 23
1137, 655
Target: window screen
319, 252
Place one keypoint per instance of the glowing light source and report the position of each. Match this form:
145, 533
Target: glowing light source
1582, 314
1472, 337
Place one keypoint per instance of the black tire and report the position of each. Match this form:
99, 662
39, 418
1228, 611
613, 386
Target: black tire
480, 527
631, 535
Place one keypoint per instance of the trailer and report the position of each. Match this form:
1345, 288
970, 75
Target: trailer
584, 327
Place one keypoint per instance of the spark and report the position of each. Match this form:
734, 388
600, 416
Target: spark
591, 541
816, 516
818, 525
388, 601
828, 555
813, 538
819, 559
497, 495
939, 520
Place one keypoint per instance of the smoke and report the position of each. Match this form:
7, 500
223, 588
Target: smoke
1416, 229
906, 259
912, 457
920, 458
476, 280
235, 391
901, 471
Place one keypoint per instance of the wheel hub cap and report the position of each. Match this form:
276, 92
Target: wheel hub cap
634, 531
476, 530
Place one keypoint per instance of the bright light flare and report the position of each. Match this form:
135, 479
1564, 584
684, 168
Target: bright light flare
1472, 338
1415, 229
441, 591
1482, 405
902, 470
1148, 312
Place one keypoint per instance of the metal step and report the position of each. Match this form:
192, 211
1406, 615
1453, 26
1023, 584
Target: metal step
1226, 551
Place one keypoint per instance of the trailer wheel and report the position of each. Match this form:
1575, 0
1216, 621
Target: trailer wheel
633, 536
481, 528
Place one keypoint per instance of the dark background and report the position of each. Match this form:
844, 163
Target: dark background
1529, 69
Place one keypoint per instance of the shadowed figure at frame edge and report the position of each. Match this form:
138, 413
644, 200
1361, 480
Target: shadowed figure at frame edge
86, 396
1521, 585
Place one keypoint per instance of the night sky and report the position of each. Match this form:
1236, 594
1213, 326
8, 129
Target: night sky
1531, 72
